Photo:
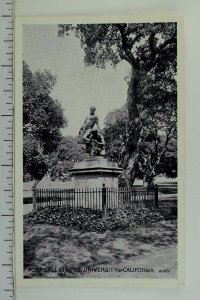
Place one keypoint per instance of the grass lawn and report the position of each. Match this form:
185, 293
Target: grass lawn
52, 251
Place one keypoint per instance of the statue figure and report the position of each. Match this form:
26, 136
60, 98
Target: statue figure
89, 123
95, 144
92, 137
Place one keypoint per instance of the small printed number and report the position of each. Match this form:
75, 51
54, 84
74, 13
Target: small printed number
164, 271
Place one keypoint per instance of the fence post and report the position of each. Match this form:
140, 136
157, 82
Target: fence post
104, 201
156, 195
34, 198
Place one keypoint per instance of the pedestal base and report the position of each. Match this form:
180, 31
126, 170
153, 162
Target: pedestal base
94, 172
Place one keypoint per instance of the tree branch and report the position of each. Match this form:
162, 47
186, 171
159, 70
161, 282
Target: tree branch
152, 47
125, 52
136, 39
123, 55
167, 42
156, 51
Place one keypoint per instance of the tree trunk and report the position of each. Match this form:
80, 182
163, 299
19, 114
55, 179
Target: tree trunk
34, 194
134, 129
151, 174
35, 184
148, 179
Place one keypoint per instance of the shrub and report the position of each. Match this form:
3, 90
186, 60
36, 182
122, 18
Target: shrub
85, 219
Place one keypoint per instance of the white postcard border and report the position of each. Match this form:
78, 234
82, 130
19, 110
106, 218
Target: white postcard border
18, 159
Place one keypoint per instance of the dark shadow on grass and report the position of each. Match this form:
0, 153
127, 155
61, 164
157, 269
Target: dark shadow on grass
30, 247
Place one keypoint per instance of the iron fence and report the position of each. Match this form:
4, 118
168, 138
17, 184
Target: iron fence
97, 199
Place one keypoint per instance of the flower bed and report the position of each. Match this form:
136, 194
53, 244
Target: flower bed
85, 219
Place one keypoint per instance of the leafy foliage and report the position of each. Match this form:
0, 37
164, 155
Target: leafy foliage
115, 134
110, 43
67, 153
158, 148
151, 51
84, 219
43, 117
35, 162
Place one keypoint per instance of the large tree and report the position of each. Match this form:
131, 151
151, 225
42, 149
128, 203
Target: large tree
158, 147
159, 142
43, 118
158, 118
148, 48
69, 151
115, 135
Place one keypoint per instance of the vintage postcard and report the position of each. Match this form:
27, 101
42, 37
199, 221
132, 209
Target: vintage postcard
99, 152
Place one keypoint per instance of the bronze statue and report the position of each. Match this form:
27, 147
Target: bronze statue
89, 123
92, 137
95, 144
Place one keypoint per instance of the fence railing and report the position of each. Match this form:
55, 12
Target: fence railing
97, 199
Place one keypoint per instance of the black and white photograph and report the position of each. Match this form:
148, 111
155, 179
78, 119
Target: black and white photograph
100, 125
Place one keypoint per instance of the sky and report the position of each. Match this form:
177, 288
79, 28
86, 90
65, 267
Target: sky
78, 87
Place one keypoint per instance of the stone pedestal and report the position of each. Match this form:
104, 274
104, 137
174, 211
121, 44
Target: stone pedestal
94, 172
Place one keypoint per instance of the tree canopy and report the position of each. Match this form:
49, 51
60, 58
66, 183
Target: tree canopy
69, 151
115, 134
140, 44
43, 118
151, 51
158, 146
